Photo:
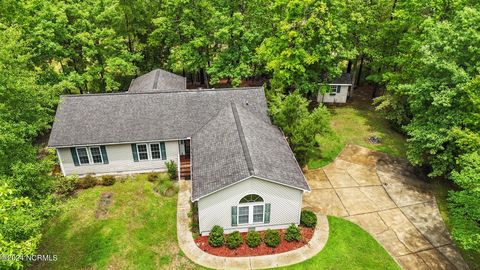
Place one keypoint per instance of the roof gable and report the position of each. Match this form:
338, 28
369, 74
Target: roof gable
235, 145
158, 80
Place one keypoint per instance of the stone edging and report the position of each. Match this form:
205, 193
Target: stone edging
198, 256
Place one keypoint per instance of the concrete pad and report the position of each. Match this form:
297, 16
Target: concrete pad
412, 262
391, 243
435, 260
404, 194
339, 177
363, 175
428, 221
324, 201
371, 222
360, 200
404, 230
317, 179
453, 256
360, 155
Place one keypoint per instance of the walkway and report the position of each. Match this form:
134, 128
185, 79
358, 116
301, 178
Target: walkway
194, 253
384, 196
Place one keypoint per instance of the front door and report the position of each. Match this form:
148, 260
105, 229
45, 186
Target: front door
184, 148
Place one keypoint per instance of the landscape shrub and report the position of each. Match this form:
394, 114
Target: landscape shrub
108, 180
308, 219
172, 169
152, 177
66, 185
293, 233
253, 239
167, 188
216, 237
272, 238
87, 182
234, 240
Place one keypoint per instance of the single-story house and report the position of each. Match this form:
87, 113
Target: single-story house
243, 172
340, 90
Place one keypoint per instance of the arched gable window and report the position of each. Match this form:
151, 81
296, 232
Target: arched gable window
251, 198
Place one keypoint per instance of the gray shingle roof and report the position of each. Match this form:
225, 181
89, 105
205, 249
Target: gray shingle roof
133, 117
237, 144
343, 79
157, 80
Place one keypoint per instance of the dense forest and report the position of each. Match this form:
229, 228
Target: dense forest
424, 56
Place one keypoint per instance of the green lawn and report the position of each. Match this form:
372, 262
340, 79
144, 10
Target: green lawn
139, 232
348, 247
354, 124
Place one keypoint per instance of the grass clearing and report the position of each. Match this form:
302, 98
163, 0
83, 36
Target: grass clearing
348, 247
139, 231
355, 123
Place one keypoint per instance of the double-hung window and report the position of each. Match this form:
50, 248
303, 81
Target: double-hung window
96, 154
334, 89
150, 151
89, 155
83, 156
251, 210
142, 151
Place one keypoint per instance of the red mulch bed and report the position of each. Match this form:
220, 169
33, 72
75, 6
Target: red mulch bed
244, 250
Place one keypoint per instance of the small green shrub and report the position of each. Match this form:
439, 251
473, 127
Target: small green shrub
108, 180
216, 237
66, 185
272, 238
152, 177
253, 239
234, 240
172, 169
308, 219
167, 188
87, 182
293, 233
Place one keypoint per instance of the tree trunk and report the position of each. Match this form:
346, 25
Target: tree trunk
349, 67
360, 71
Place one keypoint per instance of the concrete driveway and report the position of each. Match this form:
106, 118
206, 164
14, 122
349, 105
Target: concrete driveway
384, 196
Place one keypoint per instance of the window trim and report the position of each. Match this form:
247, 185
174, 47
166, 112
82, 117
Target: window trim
89, 155
99, 152
149, 151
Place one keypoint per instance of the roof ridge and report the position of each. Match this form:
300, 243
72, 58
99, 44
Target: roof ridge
160, 92
243, 142
155, 80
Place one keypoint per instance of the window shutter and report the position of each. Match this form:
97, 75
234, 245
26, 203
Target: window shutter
164, 152
267, 213
134, 152
73, 150
234, 216
339, 88
104, 154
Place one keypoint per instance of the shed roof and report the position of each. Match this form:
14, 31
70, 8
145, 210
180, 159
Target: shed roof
343, 79
237, 144
158, 80
133, 117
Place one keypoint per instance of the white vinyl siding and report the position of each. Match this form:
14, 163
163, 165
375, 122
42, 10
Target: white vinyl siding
215, 209
337, 94
120, 160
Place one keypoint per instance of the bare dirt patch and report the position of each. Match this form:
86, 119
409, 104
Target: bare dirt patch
102, 208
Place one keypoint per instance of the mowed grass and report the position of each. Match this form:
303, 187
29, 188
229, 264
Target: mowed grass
354, 124
348, 247
139, 231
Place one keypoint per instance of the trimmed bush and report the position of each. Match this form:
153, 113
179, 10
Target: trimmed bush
87, 182
216, 237
172, 169
308, 219
234, 240
108, 180
272, 238
253, 239
66, 185
293, 234
152, 177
